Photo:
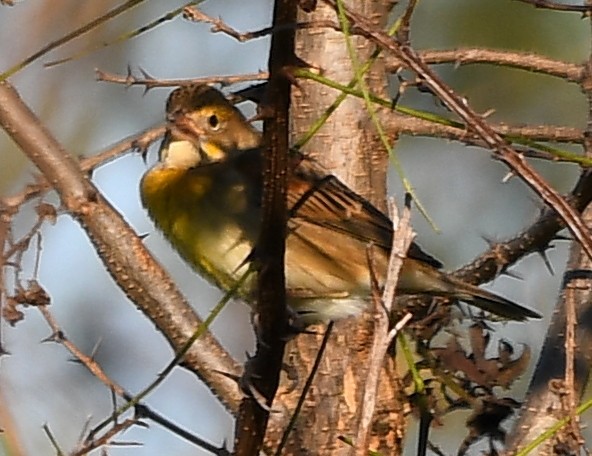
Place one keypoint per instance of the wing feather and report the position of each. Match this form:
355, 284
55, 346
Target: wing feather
322, 199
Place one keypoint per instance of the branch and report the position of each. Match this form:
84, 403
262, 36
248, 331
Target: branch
92, 441
528, 61
556, 6
149, 82
567, 349
536, 238
271, 310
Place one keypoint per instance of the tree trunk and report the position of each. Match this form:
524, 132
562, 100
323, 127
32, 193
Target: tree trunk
348, 146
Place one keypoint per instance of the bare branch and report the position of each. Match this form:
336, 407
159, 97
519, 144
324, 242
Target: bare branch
522, 60
149, 82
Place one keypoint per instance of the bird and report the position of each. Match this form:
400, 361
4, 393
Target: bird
204, 194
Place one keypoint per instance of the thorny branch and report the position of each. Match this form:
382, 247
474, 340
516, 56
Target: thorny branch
148, 82
92, 440
266, 365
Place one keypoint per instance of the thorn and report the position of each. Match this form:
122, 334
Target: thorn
505, 346
488, 240
57, 336
233, 377
543, 254
408, 200
96, 348
562, 237
264, 112
488, 113
512, 274
145, 74
99, 75
259, 398
224, 449
129, 79
507, 177
147, 80
142, 424
141, 411
248, 356
144, 155
254, 93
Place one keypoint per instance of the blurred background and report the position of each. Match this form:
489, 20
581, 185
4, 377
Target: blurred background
461, 188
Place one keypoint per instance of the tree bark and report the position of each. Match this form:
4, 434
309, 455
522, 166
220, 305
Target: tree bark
348, 146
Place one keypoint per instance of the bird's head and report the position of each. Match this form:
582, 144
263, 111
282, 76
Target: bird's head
213, 128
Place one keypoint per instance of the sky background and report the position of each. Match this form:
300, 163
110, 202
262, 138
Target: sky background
460, 187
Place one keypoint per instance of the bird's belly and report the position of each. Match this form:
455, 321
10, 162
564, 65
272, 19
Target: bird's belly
217, 250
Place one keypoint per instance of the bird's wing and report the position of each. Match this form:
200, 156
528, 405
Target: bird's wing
323, 200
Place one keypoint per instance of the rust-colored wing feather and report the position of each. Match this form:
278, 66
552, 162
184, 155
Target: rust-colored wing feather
324, 200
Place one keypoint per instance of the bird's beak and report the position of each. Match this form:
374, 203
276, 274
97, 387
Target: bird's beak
185, 128
185, 124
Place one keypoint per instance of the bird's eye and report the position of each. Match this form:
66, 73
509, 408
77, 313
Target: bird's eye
214, 122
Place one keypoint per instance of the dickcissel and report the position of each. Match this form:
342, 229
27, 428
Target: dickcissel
204, 194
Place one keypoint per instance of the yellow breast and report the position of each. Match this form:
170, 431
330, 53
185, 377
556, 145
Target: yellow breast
192, 211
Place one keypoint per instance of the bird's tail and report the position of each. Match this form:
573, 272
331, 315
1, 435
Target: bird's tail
418, 277
490, 302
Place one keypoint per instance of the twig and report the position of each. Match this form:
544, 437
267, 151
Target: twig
53, 440
383, 333
567, 348
305, 390
59, 337
527, 61
70, 36
149, 82
105, 439
142, 410
465, 135
404, 28
536, 238
194, 14
120, 38
6, 216
572, 393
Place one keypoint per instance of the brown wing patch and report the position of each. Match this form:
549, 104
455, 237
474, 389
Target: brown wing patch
324, 200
